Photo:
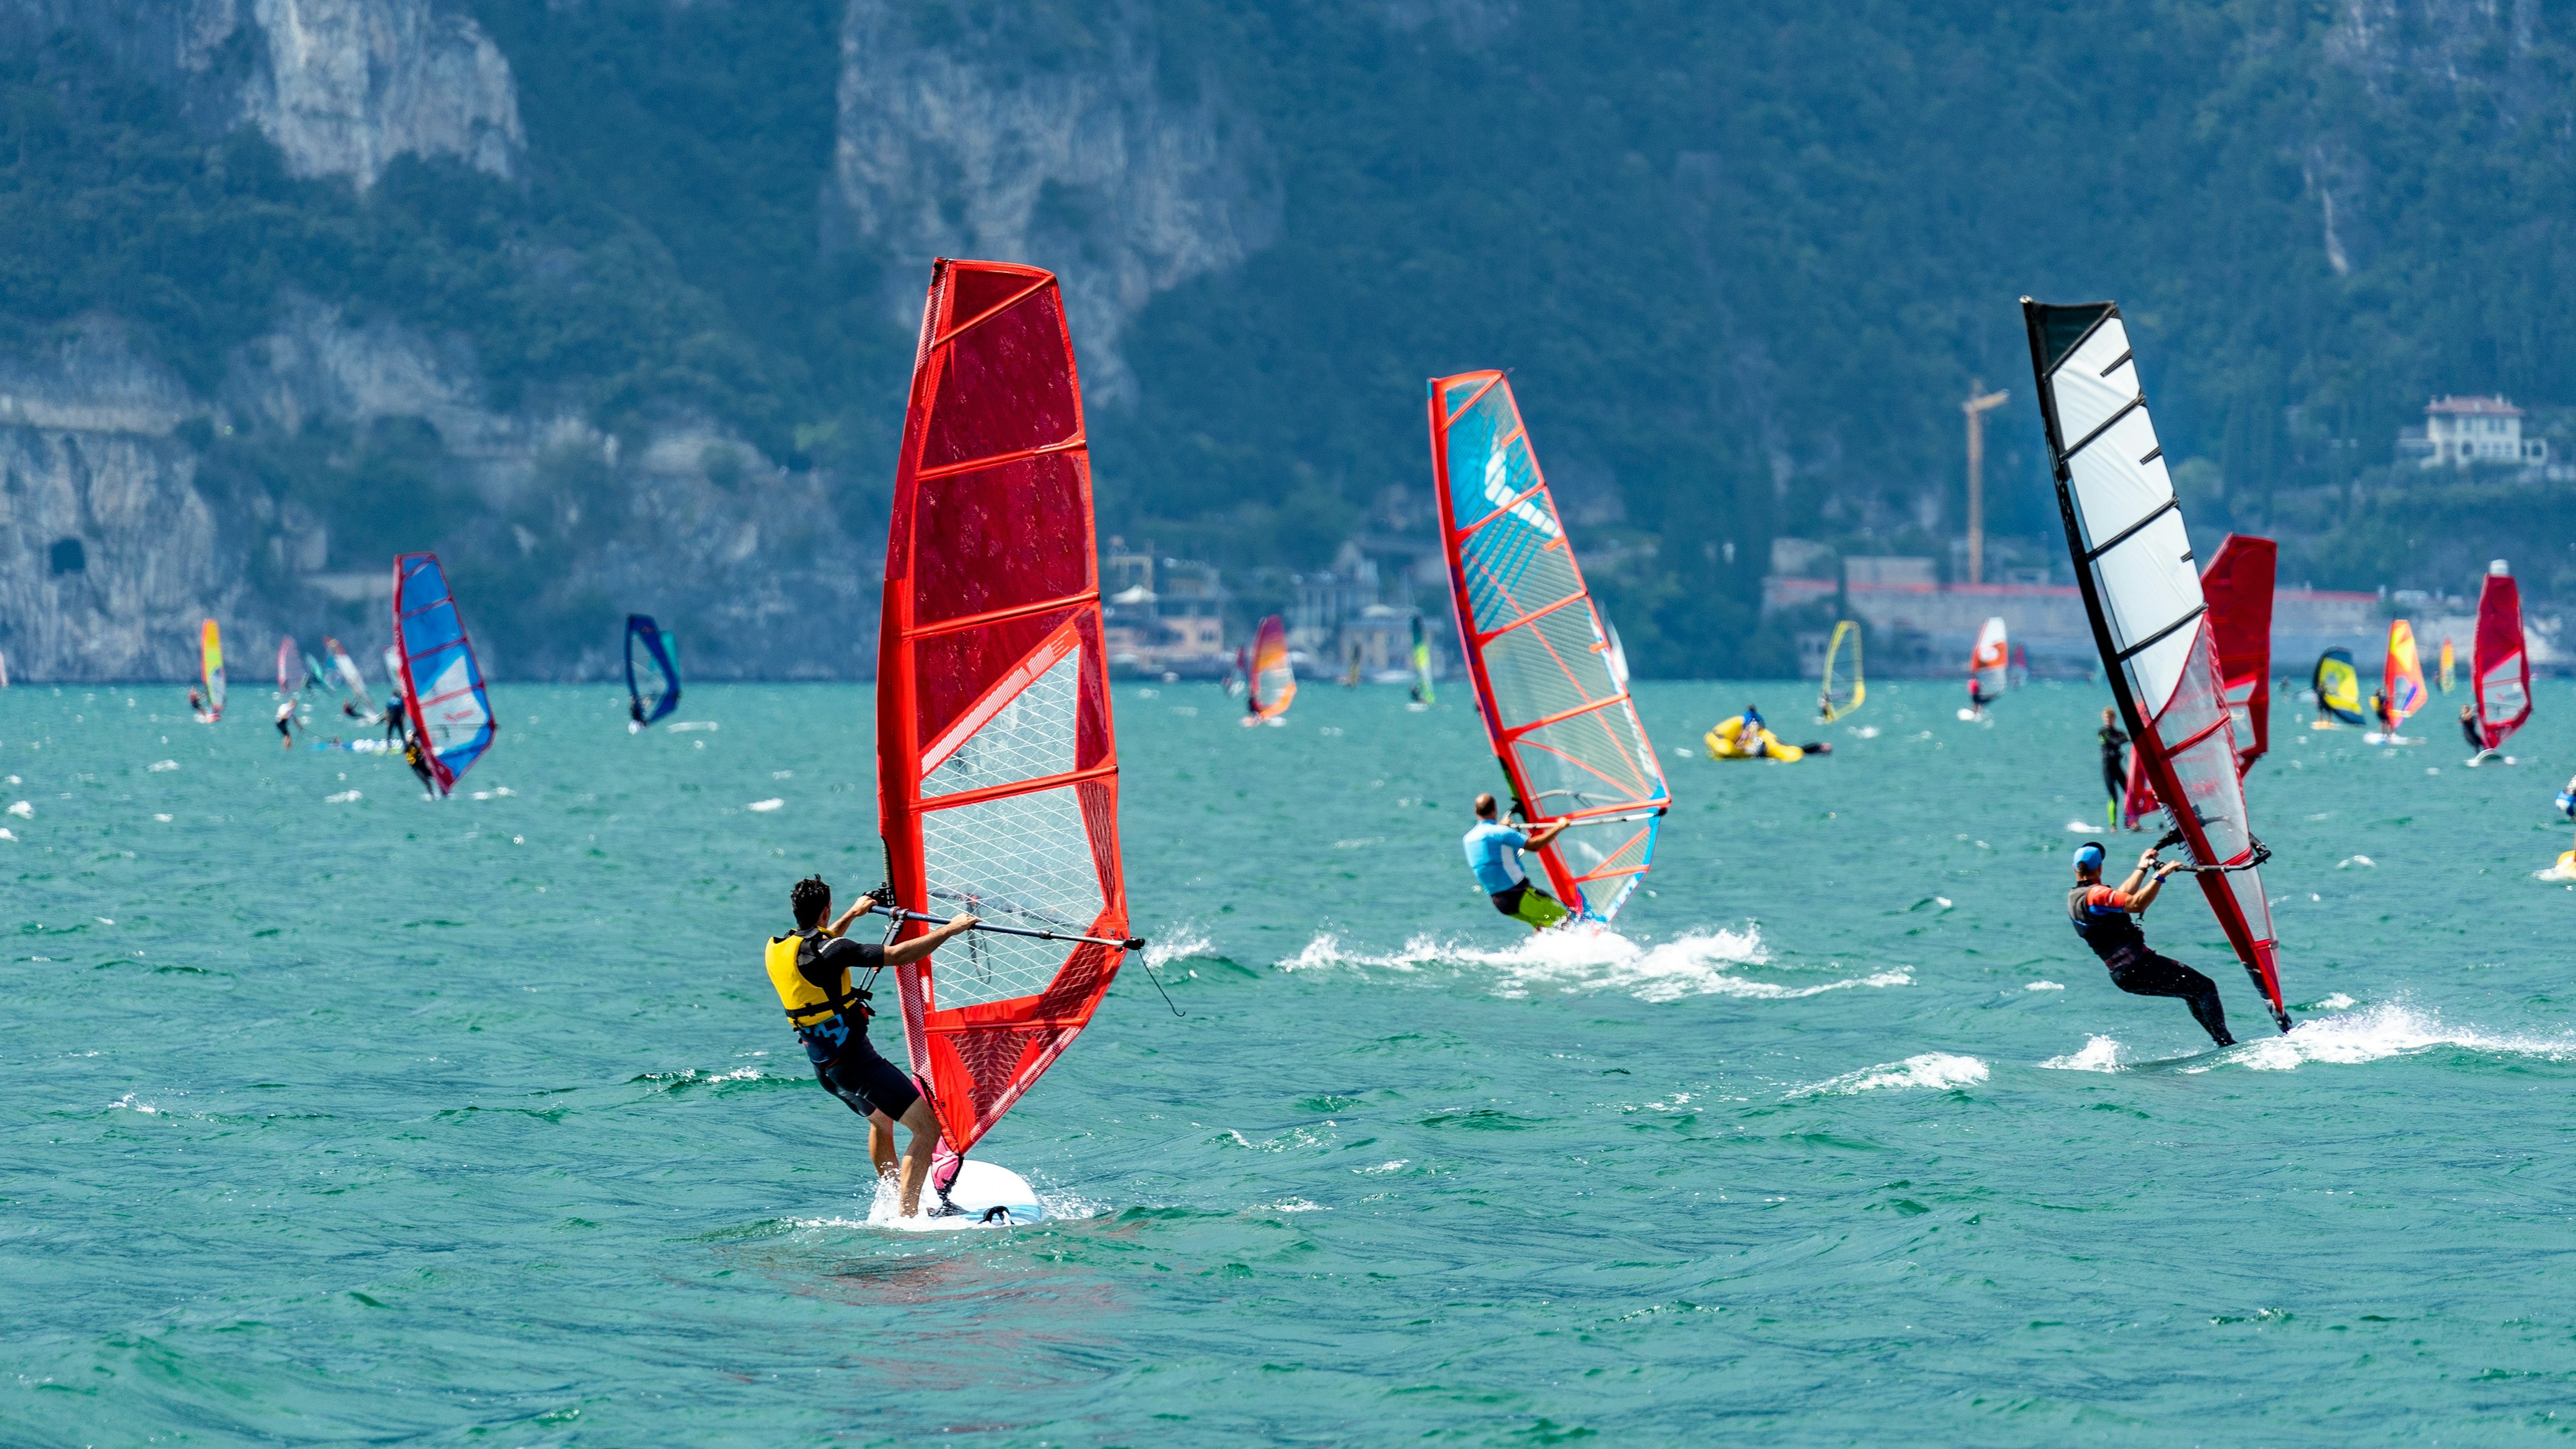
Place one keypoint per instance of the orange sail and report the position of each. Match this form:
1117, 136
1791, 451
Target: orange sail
1274, 682
2402, 679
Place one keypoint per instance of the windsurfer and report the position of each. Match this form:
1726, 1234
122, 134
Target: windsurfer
2107, 920
634, 714
2469, 729
1976, 698
2115, 771
286, 724
197, 706
810, 967
2380, 711
1494, 854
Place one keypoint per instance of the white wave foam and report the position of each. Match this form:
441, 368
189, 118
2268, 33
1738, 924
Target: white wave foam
2045, 986
2098, 1054
1180, 942
343, 798
763, 807
1695, 963
158, 767
1936, 1071
2336, 1002
681, 727
2389, 1030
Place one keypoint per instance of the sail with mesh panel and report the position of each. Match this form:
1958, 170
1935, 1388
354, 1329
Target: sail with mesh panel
661, 673
997, 762
1548, 675
2238, 587
2500, 669
442, 685
2133, 561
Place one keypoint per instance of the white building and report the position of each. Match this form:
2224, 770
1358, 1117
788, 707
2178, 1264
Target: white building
2462, 431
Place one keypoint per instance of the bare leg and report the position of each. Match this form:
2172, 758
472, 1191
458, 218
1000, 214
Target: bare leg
881, 1142
924, 1125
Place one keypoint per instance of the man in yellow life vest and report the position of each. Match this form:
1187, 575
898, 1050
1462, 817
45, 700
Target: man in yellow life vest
811, 968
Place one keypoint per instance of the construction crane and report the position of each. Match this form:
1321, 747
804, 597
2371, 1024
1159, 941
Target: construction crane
1979, 404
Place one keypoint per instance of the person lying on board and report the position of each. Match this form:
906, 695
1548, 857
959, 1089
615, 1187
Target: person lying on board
1494, 854
2107, 920
810, 967
2115, 770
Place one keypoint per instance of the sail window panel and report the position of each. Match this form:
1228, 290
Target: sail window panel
1585, 763
2113, 489
1528, 682
954, 671
1023, 860
1007, 385
2207, 769
2085, 395
1512, 573
1462, 389
1008, 536
1029, 738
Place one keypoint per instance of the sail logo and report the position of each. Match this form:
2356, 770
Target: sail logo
1499, 491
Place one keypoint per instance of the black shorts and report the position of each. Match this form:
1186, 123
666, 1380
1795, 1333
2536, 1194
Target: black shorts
851, 1069
2141, 972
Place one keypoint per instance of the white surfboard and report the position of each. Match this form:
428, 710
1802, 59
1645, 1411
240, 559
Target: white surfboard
986, 1194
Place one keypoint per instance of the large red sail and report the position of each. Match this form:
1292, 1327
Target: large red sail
997, 766
2238, 586
2501, 668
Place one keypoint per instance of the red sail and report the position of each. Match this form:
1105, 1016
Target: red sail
2501, 668
2238, 586
997, 766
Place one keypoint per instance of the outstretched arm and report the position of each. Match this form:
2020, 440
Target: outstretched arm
2142, 897
905, 952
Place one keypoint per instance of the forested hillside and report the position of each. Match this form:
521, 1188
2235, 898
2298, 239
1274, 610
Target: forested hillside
652, 268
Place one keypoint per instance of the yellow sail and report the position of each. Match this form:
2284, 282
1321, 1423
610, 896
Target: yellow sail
1844, 688
2402, 681
2446, 666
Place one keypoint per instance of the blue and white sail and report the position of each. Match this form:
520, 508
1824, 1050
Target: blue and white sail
660, 674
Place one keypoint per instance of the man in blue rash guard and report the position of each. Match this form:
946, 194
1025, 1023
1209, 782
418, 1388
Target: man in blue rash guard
1494, 854
2107, 920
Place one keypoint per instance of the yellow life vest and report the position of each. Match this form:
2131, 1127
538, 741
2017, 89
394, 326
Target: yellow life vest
806, 1002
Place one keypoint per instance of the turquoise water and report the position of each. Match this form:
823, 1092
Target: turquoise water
342, 1119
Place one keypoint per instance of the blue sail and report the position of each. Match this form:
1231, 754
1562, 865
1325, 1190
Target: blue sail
640, 628
442, 686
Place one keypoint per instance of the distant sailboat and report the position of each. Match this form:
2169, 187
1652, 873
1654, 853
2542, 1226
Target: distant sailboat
661, 672
1989, 669
210, 671
2401, 687
2338, 685
1422, 693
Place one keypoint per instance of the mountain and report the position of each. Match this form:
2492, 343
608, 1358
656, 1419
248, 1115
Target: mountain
612, 301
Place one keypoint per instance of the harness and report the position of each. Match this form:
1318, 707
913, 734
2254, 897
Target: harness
807, 1004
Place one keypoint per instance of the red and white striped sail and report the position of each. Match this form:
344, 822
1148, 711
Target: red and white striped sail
2501, 668
997, 766
2238, 587
1549, 674
2132, 558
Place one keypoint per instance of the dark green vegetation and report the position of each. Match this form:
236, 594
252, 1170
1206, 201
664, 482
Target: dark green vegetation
1744, 261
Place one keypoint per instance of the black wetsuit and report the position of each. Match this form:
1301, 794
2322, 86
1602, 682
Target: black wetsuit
2113, 934
2469, 732
844, 1061
2115, 773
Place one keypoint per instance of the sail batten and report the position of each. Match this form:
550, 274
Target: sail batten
997, 760
2150, 617
1547, 669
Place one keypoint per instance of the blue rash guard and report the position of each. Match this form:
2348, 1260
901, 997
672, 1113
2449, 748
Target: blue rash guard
1494, 854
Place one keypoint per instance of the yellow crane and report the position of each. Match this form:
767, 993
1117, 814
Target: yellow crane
1979, 404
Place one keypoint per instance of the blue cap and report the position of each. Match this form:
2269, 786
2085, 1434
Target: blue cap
2089, 855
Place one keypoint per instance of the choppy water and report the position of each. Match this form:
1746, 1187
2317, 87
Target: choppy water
338, 1117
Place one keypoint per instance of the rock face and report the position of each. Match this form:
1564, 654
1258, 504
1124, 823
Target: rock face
342, 86
1087, 167
109, 557
348, 85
